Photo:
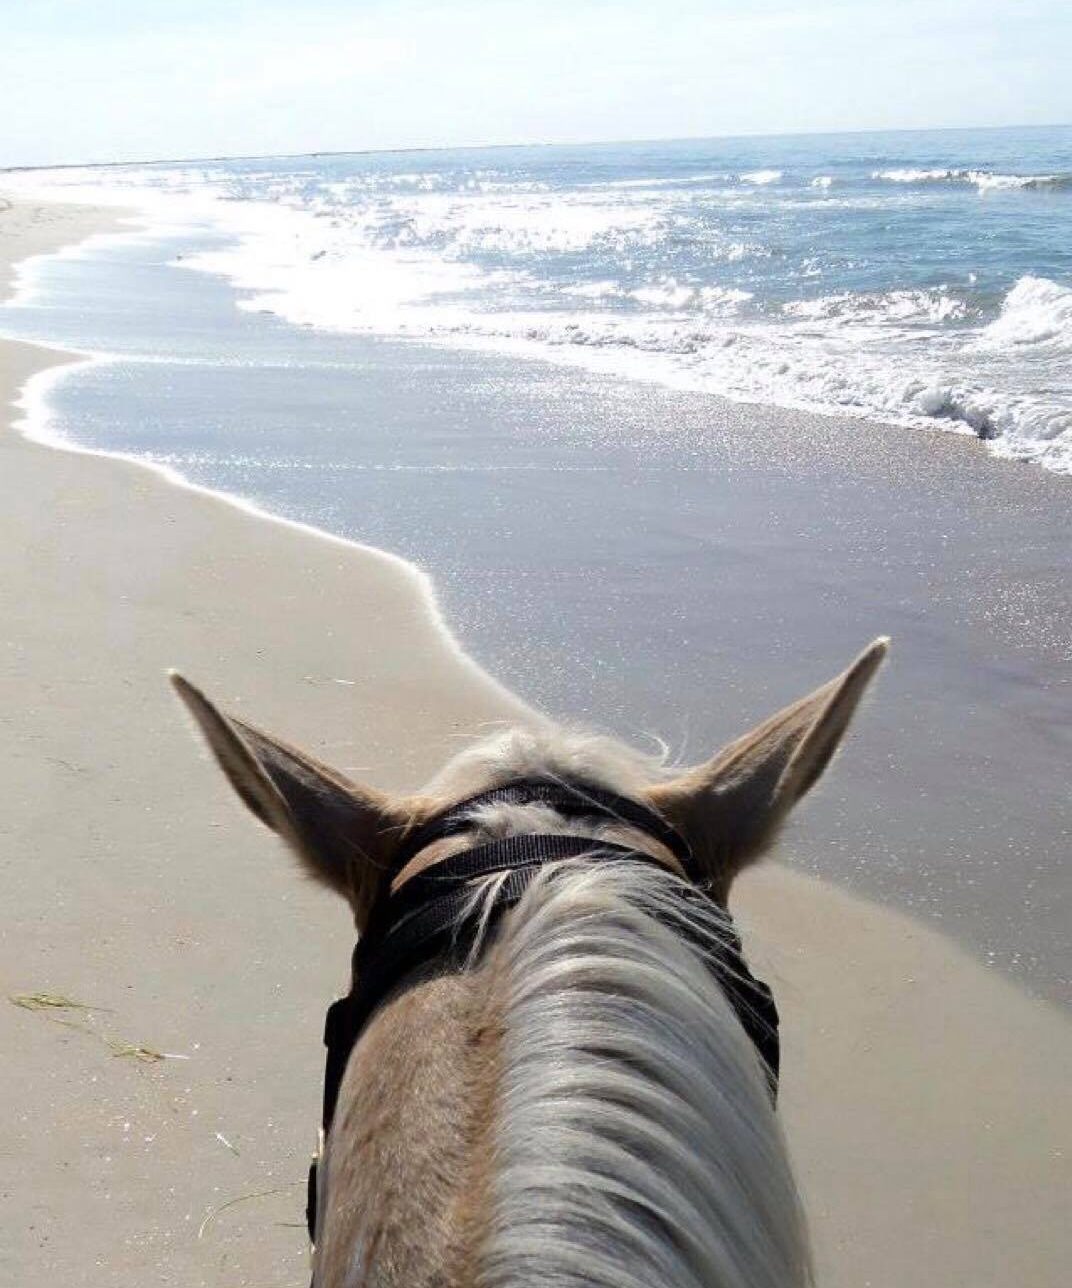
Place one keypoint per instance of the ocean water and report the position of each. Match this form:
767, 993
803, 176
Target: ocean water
630, 552
914, 279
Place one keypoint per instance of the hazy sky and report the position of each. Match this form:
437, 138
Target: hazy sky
88, 80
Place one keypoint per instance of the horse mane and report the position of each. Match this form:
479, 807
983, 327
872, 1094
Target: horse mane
635, 1141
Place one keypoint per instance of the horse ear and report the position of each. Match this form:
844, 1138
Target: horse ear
731, 808
343, 833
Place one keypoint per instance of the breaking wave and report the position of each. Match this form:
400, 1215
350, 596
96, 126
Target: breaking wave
918, 357
984, 180
760, 177
1036, 313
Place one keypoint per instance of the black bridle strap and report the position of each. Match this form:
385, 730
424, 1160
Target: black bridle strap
572, 800
504, 855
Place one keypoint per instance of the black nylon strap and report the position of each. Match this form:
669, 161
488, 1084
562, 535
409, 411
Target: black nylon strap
434, 915
570, 799
487, 860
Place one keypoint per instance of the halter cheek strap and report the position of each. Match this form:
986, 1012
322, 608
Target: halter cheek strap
428, 921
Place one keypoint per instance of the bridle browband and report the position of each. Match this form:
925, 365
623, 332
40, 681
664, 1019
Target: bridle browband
429, 921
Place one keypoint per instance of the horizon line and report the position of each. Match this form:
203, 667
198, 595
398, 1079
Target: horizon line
547, 143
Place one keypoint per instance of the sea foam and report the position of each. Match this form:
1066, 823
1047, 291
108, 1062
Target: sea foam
1036, 312
686, 278
983, 180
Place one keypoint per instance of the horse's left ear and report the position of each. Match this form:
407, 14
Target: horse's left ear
343, 833
731, 808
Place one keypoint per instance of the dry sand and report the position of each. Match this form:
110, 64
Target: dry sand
925, 1098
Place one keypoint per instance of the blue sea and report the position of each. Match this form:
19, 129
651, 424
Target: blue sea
919, 279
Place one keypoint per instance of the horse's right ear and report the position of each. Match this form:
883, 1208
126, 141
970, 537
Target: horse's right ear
343, 833
731, 808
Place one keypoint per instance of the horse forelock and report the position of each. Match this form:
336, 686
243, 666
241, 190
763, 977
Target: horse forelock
551, 751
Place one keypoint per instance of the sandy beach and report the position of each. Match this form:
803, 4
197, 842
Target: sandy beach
925, 1097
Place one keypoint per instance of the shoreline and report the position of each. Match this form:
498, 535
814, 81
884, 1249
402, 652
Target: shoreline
899, 1046
31, 398
60, 363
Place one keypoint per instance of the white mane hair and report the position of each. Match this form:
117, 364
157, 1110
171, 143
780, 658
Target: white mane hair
635, 1142
635, 1139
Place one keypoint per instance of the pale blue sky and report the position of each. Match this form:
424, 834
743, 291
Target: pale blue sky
88, 80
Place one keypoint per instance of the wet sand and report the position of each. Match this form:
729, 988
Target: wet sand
924, 1095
